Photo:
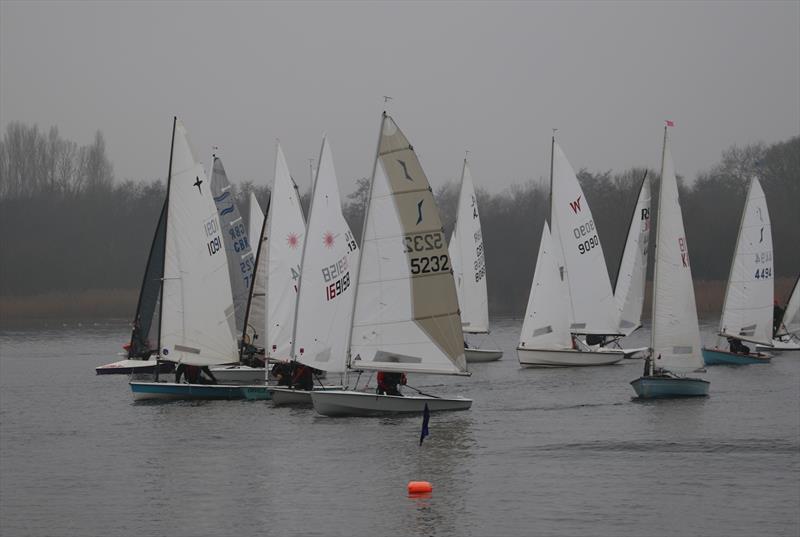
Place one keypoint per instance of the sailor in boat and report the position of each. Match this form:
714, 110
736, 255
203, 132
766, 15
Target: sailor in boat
194, 374
303, 377
737, 346
251, 355
282, 373
388, 383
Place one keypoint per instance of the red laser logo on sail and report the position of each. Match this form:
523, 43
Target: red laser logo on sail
327, 239
292, 240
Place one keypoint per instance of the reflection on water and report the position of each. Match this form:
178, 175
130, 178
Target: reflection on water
555, 452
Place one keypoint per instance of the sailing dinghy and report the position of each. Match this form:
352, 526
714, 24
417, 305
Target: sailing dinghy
630, 285
747, 309
675, 337
582, 277
196, 320
469, 270
405, 315
786, 335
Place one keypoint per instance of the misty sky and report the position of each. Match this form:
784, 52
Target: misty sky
493, 78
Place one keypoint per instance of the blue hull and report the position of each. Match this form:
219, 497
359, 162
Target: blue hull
256, 393
169, 391
662, 387
720, 357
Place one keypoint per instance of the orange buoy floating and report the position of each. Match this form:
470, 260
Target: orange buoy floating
419, 487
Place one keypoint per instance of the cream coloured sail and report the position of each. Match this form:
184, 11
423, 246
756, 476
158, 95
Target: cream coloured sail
256, 314
629, 289
791, 320
546, 324
580, 258
197, 309
469, 265
675, 336
285, 232
328, 276
406, 310
747, 310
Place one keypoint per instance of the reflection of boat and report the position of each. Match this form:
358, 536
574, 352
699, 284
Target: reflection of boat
675, 336
405, 317
570, 297
196, 314
787, 336
469, 269
747, 310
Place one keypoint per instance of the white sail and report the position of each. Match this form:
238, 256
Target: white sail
748, 306
676, 334
328, 276
286, 231
406, 311
592, 307
469, 265
256, 315
255, 222
791, 320
197, 309
241, 260
546, 324
629, 289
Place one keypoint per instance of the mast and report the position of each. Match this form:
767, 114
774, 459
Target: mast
363, 233
252, 283
658, 241
166, 219
552, 150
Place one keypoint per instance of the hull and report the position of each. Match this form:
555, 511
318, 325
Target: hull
782, 346
282, 396
169, 391
338, 403
239, 374
636, 354
721, 357
476, 356
256, 392
664, 387
134, 367
567, 357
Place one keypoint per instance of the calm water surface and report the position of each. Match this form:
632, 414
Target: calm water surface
542, 452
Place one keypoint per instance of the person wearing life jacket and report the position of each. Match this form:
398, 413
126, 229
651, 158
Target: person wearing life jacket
388, 383
303, 378
194, 374
282, 373
737, 346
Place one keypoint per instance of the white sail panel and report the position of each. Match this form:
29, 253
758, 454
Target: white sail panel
286, 230
406, 312
197, 310
256, 317
546, 323
676, 334
240, 257
592, 307
629, 289
748, 306
791, 320
470, 267
328, 277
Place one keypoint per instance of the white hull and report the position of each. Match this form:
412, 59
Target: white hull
238, 374
781, 346
475, 356
352, 403
567, 357
636, 354
282, 396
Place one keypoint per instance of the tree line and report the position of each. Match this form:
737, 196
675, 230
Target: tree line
68, 226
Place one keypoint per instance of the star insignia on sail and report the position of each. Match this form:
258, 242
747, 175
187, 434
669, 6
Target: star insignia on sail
419, 211
198, 183
328, 239
405, 170
292, 240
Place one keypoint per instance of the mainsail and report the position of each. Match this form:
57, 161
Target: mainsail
256, 309
406, 309
791, 320
676, 335
197, 313
144, 338
237, 244
469, 265
629, 287
256, 221
284, 232
580, 257
546, 324
328, 276
747, 310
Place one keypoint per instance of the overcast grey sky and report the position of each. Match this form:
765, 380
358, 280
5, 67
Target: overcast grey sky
493, 78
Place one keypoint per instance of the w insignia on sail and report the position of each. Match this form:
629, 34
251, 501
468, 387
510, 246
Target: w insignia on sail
575, 205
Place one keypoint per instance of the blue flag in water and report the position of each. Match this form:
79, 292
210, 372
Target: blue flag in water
426, 417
